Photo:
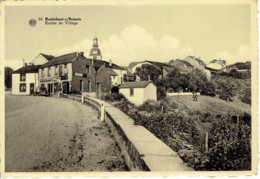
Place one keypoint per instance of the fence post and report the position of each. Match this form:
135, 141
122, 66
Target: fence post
82, 99
207, 142
102, 111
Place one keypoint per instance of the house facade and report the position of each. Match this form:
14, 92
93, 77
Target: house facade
25, 80
109, 75
68, 73
139, 92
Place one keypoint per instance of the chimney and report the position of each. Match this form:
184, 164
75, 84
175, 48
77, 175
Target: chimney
81, 53
25, 64
110, 62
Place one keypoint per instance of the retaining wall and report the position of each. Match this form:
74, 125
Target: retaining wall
141, 149
181, 94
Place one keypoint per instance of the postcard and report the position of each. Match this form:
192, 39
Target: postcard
128, 88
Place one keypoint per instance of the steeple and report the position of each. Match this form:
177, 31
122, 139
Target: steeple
95, 51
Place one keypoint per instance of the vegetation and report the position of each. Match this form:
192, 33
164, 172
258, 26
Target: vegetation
114, 97
8, 77
184, 131
148, 71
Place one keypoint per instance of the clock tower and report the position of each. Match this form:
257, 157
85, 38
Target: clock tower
95, 52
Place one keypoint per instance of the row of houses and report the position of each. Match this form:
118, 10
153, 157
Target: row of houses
68, 73
75, 73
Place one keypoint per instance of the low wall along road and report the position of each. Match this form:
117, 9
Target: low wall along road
141, 149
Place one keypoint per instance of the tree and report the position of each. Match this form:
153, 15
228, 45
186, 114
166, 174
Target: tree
8, 77
148, 70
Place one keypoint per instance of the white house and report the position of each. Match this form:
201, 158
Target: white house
41, 59
25, 80
138, 92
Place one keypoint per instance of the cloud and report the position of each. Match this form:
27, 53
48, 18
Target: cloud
242, 54
134, 43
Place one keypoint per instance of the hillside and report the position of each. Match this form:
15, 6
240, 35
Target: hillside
210, 105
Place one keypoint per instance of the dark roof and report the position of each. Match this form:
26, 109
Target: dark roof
138, 84
61, 59
99, 63
48, 57
185, 62
111, 72
159, 64
169, 69
28, 69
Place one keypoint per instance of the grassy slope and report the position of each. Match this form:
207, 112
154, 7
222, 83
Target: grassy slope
210, 104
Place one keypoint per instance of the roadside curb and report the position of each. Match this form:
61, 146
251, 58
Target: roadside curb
141, 149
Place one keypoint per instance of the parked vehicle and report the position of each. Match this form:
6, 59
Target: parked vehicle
42, 91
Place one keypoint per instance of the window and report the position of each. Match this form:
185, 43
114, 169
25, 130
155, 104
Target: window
65, 66
22, 77
49, 71
131, 91
43, 72
113, 77
22, 87
87, 69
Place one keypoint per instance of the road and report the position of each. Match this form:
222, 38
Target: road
57, 134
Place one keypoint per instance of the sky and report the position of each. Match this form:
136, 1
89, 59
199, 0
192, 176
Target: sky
129, 33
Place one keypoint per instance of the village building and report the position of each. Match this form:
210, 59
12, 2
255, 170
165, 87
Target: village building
195, 62
74, 73
68, 73
217, 66
108, 76
41, 59
159, 65
139, 92
183, 66
25, 80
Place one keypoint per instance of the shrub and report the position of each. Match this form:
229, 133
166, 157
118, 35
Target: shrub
246, 97
208, 89
115, 89
114, 97
229, 146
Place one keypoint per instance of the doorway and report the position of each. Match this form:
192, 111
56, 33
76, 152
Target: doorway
31, 88
50, 88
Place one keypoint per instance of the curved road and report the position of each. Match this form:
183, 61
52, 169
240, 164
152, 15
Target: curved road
51, 134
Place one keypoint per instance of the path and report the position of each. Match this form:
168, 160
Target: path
52, 134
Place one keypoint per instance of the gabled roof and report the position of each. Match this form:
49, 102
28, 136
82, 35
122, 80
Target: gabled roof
159, 64
48, 57
197, 59
132, 64
136, 84
185, 62
170, 69
61, 59
99, 63
111, 72
28, 69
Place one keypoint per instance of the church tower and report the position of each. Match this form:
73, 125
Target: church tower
95, 52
